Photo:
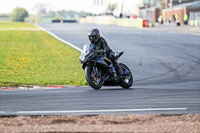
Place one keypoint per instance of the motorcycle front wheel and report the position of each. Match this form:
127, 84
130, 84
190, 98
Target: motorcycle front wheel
95, 81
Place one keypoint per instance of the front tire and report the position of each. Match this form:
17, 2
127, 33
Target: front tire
127, 81
91, 81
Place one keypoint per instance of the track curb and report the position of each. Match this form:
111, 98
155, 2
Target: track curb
39, 87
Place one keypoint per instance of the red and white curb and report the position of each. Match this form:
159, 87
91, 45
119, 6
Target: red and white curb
8, 89
39, 87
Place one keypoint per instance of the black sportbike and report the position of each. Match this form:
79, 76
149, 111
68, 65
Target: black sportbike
100, 71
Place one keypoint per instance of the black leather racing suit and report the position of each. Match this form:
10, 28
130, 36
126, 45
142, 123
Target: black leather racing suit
102, 45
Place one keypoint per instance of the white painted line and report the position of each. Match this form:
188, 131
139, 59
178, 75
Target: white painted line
58, 38
100, 111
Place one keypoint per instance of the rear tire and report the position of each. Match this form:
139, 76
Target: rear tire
124, 83
90, 80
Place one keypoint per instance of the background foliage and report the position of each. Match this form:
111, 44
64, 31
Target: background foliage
19, 14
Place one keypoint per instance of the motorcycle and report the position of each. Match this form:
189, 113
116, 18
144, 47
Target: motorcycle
100, 71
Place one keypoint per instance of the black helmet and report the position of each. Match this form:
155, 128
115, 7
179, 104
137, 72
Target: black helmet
93, 35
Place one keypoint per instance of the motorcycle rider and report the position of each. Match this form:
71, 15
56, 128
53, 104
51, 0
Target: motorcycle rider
100, 44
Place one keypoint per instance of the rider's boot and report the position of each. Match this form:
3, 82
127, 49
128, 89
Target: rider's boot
118, 69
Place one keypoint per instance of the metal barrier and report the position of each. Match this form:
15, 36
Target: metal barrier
111, 20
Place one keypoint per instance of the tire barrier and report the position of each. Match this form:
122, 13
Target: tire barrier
63, 21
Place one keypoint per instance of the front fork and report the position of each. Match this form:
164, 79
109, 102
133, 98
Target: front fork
95, 70
98, 74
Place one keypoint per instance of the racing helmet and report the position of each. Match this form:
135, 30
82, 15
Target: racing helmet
93, 35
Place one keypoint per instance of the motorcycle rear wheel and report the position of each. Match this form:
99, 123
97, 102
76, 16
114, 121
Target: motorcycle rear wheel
91, 81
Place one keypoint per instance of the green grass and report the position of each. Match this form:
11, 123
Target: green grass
16, 25
36, 58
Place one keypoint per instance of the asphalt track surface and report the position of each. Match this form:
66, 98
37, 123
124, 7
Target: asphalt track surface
165, 66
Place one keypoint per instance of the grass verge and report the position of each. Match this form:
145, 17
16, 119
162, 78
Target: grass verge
16, 25
36, 58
